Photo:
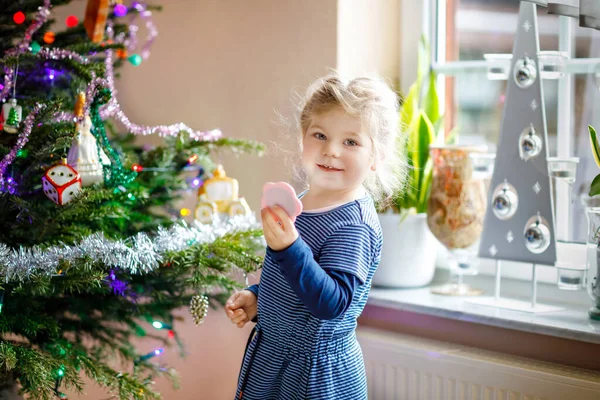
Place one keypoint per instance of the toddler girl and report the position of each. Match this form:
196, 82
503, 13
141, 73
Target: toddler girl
317, 271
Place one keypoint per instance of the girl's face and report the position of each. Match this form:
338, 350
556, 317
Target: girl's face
336, 154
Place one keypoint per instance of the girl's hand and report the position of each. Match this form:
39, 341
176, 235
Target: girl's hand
241, 307
280, 232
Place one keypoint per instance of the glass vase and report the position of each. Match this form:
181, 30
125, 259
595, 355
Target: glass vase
456, 210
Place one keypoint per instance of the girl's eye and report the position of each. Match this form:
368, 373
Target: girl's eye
350, 142
320, 136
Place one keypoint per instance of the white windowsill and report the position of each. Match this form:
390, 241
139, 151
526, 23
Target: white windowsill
570, 323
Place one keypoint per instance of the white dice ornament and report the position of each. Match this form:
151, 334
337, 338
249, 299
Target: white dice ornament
61, 183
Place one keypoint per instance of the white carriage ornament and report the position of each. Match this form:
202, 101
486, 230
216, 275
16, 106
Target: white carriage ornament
218, 198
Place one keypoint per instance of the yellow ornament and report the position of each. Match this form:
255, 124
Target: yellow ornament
96, 14
218, 198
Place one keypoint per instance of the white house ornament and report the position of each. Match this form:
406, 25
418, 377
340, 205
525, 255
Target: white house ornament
61, 183
84, 154
12, 113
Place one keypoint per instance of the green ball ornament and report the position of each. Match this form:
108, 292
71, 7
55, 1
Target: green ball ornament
135, 59
35, 47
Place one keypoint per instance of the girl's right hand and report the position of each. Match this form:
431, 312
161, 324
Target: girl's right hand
241, 307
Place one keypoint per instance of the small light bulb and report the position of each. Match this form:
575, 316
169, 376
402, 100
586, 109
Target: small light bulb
19, 17
71, 21
49, 37
157, 324
120, 10
135, 59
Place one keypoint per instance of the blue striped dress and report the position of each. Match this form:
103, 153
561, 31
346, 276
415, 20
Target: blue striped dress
291, 354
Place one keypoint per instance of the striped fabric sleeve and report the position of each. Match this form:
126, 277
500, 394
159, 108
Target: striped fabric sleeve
253, 289
326, 294
349, 249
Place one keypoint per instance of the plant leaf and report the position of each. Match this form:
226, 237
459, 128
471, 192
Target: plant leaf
422, 137
438, 128
431, 102
452, 137
595, 186
423, 62
594, 143
425, 186
410, 106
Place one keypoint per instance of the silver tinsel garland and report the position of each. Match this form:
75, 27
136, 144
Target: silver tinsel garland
138, 254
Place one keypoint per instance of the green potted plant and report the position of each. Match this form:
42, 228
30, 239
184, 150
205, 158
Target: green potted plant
593, 240
409, 252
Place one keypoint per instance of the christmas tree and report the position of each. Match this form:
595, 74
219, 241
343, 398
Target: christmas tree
91, 254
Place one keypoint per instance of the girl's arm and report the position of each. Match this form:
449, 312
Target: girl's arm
327, 288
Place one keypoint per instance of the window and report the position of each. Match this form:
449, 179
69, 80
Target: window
462, 31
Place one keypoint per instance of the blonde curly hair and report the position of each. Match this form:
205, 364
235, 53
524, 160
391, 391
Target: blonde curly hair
377, 106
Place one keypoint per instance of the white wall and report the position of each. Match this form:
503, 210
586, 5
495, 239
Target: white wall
368, 38
411, 27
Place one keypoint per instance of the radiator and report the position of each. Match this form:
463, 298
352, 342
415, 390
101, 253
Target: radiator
406, 367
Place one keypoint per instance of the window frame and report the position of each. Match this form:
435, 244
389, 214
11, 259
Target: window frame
437, 22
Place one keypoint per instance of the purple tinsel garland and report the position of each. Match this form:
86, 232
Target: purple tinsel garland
21, 141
